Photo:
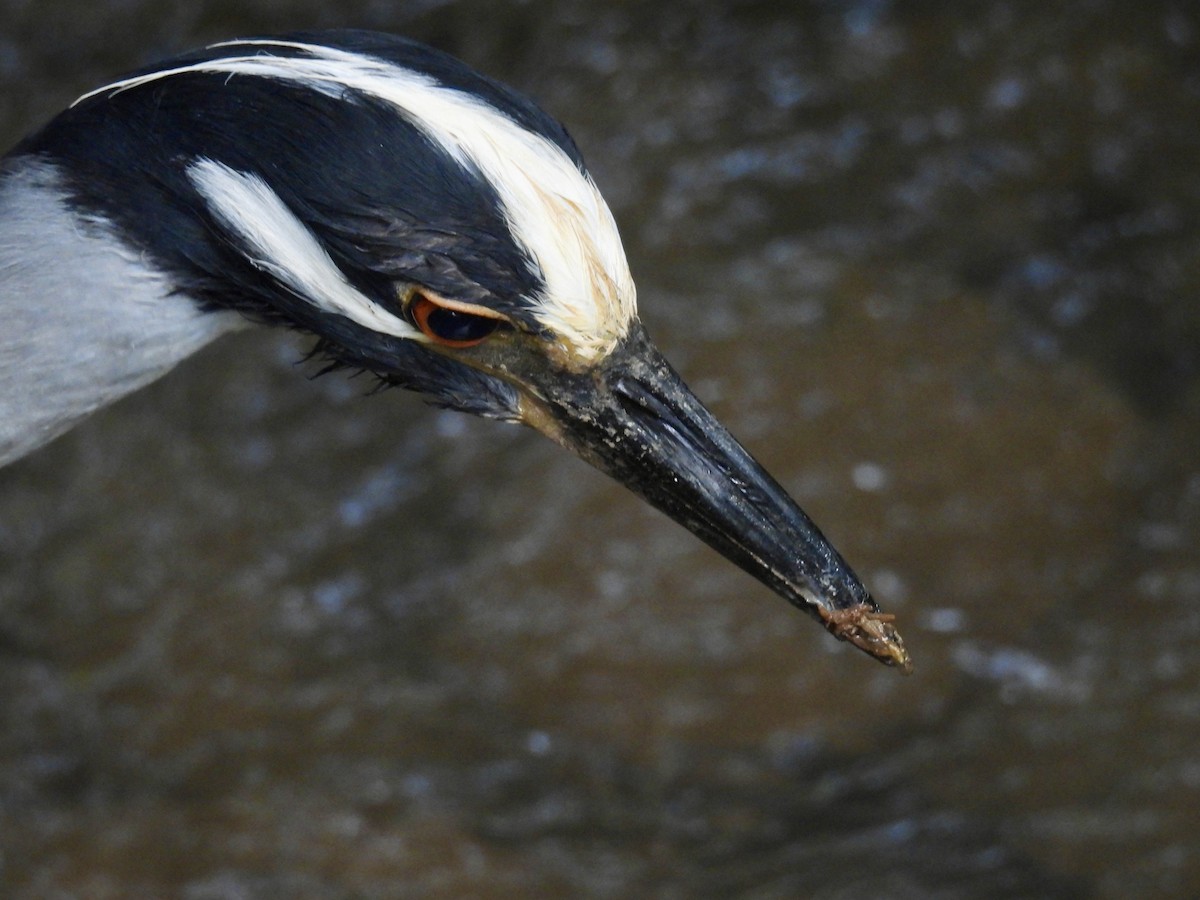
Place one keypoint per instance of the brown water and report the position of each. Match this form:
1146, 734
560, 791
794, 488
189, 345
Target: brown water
936, 264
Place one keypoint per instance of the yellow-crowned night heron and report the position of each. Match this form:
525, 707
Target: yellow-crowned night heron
422, 221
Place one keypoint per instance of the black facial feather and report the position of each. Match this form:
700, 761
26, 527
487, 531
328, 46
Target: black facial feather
409, 365
381, 196
389, 205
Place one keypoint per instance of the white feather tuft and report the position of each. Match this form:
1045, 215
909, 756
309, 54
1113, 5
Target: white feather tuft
279, 243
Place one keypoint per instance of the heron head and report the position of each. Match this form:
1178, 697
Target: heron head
440, 230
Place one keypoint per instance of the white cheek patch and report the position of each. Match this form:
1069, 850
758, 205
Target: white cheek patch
276, 241
555, 212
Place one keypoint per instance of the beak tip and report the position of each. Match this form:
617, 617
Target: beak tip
872, 631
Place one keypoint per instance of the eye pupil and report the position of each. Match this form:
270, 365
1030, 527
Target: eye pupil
451, 327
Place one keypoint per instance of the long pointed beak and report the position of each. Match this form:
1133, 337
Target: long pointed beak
634, 418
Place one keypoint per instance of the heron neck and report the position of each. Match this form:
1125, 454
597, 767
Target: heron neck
86, 317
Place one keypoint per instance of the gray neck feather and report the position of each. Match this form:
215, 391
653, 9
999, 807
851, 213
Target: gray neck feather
84, 317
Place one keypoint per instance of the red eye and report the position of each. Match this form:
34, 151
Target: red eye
450, 327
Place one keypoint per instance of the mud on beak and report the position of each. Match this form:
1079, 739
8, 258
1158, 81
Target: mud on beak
634, 418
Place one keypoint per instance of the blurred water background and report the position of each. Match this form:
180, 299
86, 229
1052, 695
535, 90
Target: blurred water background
936, 264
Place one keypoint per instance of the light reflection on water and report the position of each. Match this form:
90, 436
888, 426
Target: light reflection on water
262, 636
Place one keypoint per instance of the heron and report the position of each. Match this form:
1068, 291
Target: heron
423, 222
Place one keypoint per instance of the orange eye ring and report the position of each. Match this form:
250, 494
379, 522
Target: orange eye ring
450, 326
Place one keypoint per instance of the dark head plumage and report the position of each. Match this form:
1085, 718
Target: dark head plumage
423, 222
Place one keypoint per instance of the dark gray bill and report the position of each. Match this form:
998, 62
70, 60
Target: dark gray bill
635, 419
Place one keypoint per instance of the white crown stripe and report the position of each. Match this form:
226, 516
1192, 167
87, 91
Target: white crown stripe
555, 212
